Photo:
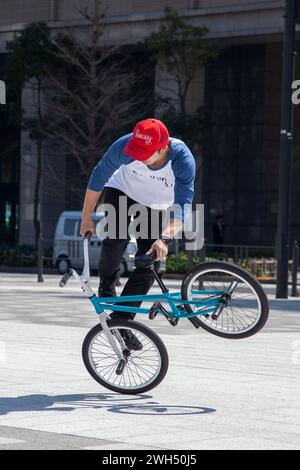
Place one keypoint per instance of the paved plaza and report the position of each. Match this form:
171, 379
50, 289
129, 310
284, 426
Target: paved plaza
218, 394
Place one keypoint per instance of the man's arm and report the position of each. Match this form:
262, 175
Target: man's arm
109, 163
90, 201
184, 172
172, 228
184, 169
160, 246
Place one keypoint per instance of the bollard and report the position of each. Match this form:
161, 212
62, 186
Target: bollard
202, 254
40, 260
235, 256
295, 264
190, 254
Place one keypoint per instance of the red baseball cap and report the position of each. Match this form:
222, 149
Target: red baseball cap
148, 136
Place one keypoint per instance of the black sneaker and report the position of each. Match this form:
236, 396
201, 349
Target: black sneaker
107, 288
131, 341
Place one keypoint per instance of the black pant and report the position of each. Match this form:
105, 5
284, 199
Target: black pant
112, 250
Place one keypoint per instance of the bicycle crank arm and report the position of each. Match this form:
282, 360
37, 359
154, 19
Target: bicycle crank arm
172, 320
217, 312
195, 321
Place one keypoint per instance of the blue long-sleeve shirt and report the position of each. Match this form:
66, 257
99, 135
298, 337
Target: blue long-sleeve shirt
170, 186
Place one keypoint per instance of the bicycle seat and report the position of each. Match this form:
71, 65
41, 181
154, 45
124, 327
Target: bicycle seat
144, 261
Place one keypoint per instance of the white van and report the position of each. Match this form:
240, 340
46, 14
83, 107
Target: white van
68, 246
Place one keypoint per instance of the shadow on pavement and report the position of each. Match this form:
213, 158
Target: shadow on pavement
115, 403
291, 306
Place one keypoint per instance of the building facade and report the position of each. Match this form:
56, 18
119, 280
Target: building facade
240, 92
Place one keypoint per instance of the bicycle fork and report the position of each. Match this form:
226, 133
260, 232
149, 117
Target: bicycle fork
85, 284
122, 356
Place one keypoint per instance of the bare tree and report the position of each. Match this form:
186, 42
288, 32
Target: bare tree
96, 93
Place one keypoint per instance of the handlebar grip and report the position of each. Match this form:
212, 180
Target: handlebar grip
65, 278
87, 235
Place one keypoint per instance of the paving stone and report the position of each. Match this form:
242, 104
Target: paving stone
218, 394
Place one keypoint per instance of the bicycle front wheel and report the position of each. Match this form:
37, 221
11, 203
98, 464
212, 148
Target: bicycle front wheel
144, 369
240, 303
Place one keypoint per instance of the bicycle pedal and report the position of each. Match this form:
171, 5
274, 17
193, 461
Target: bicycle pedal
172, 320
121, 366
154, 309
215, 315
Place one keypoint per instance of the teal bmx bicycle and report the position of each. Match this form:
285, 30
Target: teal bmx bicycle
219, 297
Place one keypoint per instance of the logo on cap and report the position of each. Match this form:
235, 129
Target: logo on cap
146, 138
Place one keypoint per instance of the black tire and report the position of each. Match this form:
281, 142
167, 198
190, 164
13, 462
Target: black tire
203, 268
134, 326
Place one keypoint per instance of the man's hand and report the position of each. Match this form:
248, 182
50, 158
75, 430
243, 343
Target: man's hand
87, 226
161, 249
90, 200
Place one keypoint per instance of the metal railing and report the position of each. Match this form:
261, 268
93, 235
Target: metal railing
260, 260
237, 253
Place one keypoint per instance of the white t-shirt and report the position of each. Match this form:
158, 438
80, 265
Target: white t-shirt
173, 183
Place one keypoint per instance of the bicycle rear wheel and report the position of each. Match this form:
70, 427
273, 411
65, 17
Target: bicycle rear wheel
143, 370
240, 313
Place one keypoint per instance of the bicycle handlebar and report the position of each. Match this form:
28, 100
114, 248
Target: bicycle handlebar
65, 278
88, 235
143, 261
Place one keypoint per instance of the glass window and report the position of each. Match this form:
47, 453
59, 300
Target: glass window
70, 226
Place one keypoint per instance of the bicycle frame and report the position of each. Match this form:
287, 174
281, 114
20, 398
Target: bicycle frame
102, 304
